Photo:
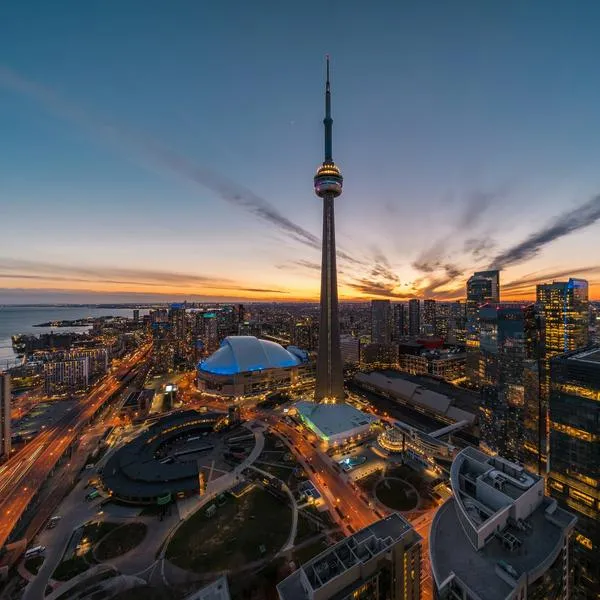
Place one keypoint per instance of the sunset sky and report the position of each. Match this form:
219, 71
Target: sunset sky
154, 150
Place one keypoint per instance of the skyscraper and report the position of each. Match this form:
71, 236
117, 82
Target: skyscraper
574, 457
328, 185
381, 322
428, 322
5, 430
400, 322
482, 287
564, 307
414, 317
509, 338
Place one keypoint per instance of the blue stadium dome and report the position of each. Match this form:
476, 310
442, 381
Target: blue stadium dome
243, 353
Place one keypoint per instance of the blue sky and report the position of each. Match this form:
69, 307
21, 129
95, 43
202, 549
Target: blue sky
452, 122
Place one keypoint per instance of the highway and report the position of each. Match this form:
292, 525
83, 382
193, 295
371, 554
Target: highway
24, 474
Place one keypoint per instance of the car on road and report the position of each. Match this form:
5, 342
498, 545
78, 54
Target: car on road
36, 551
53, 522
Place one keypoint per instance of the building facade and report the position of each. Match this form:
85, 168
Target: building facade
380, 562
381, 322
428, 320
564, 307
574, 457
5, 416
482, 287
66, 376
510, 336
414, 317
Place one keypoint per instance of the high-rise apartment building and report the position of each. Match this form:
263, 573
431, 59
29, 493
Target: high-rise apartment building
66, 376
380, 562
509, 337
350, 350
574, 457
5, 418
399, 322
210, 332
564, 307
428, 320
414, 317
498, 537
381, 322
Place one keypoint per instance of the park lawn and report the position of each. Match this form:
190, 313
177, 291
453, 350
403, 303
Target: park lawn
120, 540
93, 532
396, 494
232, 537
310, 550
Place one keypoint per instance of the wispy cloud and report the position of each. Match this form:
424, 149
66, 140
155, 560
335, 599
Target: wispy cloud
573, 220
145, 149
11, 268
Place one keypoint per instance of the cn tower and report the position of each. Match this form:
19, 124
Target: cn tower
328, 185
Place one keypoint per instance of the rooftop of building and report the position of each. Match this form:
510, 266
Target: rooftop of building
134, 470
360, 547
591, 355
333, 419
437, 396
496, 528
244, 353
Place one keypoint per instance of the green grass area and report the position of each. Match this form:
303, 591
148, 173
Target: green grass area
310, 550
306, 529
397, 494
120, 540
367, 484
92, 534
33, 565
232, 537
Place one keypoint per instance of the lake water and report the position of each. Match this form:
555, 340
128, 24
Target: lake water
21, 319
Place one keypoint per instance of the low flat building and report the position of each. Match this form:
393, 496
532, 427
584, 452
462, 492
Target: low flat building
140, 472
380, 562
415, 395
334, 424
499, 537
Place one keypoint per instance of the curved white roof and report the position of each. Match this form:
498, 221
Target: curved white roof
242, 353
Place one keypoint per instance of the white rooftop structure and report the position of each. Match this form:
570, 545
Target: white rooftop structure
334, 423
244, 353
499, 534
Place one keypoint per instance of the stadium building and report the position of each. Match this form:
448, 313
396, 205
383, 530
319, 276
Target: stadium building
245, 366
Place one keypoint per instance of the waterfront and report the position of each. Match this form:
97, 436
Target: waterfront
21, 320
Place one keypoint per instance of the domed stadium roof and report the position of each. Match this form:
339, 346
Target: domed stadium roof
242, 353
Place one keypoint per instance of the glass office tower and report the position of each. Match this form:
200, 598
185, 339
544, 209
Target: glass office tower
574, 457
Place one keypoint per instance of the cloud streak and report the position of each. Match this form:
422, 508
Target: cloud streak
23, 269
569, 222
146, 149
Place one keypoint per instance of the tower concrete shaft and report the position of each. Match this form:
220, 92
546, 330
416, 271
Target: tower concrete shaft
328, 185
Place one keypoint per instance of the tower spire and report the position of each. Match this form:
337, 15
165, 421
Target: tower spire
328, 121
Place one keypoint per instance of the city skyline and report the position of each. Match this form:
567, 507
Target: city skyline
176, 169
